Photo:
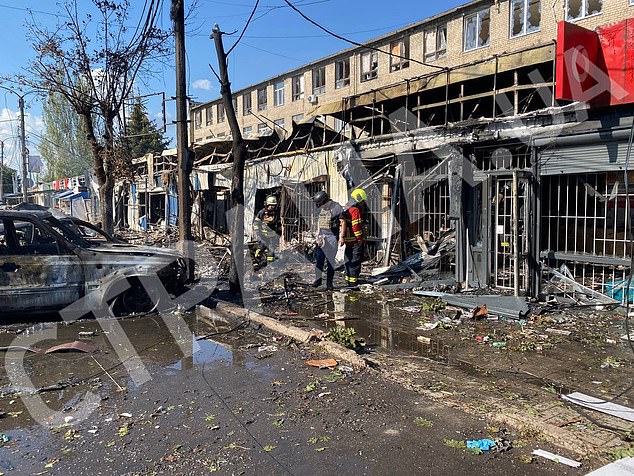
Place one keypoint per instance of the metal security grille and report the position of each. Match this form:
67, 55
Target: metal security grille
298, 210
510, 240
430, 210
585, 225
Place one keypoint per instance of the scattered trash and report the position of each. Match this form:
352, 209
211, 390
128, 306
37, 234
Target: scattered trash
484, 444
125, 415
323, 315
267, 348
557, 458
323, 394
68, 419
600, 405
428, 326
480, 312
76, 346
323, 364
86, 334
412, 309
346, 369
560, 332
498, 345
424, 339
511, 307
4, 438
611, 363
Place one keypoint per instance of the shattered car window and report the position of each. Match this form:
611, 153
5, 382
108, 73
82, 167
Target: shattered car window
30, 239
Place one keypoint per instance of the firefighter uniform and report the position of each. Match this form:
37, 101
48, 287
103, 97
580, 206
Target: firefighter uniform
267, 227
352, 236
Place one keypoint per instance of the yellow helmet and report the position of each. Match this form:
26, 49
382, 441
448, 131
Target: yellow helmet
359, 195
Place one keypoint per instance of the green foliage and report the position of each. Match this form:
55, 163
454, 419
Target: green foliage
64, 146
142, 136
455, 444
424, 422
434, 306
345, 336
620, 453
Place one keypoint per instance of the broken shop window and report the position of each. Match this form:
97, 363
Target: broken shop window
526, 16
477, 30
369, 66
578, 9
435, 43
399, 57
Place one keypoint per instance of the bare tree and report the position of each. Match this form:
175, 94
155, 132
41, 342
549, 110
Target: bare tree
93, 62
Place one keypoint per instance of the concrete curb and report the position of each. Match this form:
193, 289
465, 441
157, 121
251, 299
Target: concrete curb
337, 351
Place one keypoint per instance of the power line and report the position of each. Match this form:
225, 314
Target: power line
29, 10
273, 53
356, 43
255, 8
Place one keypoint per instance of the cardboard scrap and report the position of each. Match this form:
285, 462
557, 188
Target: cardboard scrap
323, 364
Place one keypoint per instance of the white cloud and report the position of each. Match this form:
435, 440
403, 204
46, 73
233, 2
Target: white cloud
204, 84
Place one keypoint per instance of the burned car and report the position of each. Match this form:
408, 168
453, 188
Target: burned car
46, 265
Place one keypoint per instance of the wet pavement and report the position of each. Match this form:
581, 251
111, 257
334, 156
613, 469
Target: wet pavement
188, 394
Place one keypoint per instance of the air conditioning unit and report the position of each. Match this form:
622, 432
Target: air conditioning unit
312, 99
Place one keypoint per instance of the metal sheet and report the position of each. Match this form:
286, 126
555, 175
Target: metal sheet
600, 405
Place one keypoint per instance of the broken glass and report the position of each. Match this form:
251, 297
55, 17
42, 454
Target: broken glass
574, 9
484, 34
533, 15
517, 17
594, 7
471, 32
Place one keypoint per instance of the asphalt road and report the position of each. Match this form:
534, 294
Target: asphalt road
231, 409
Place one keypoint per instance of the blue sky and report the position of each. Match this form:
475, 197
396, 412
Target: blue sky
276, 41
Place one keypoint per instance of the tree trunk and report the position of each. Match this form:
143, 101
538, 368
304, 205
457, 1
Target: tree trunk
239, 152
106, 195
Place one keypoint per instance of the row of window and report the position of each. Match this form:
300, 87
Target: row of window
525, 18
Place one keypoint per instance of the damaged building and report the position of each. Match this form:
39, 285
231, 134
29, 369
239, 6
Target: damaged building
504, 121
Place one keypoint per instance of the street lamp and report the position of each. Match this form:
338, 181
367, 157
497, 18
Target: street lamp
25, 196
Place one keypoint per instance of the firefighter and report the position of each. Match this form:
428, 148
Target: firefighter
267, 227
327, 236
351, 235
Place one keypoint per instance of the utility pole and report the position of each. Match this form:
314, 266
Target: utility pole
184, 155
1, 172
25, 194
239, 152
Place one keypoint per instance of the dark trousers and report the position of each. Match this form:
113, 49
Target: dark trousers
325, 256
354, 257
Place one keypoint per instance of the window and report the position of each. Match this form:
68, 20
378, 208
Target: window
279, 123
526, 16
369, 65
298, 87
278, 93
234, 101
262, 100
399, 54
263, 129
29, 239
435, 43
221, 134
319, 80
220, 111
342, 73
297, 118
247, 131
477, 30
247, 107
198, 118
577, 9
209, 115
